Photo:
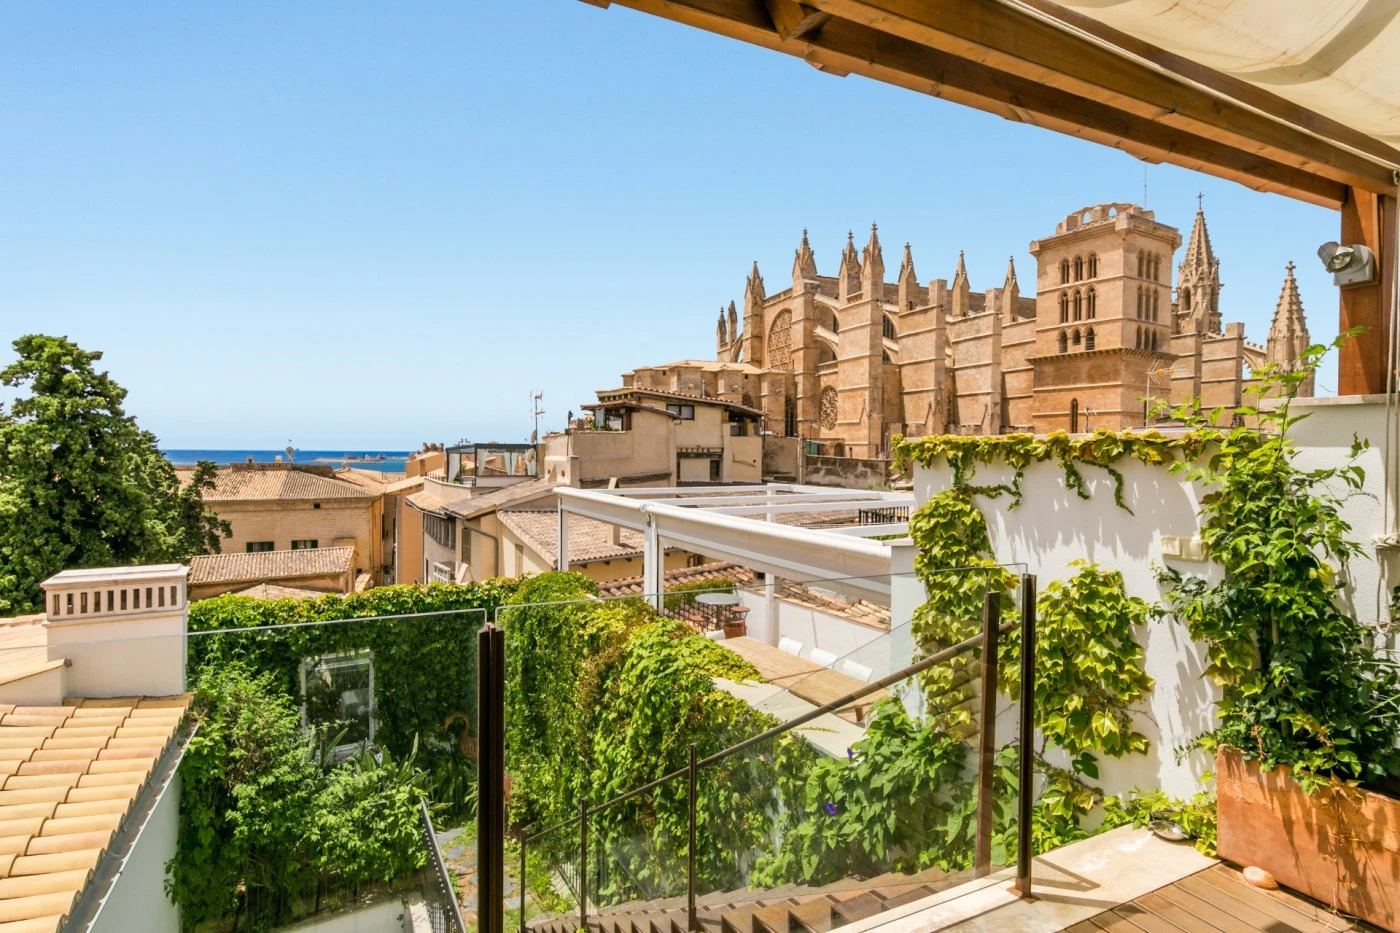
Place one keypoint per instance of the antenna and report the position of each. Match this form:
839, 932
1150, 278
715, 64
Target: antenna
536, 410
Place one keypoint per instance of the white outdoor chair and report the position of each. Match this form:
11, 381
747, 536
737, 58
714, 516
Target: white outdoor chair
716, 635
790, 645
824, 658
857, 670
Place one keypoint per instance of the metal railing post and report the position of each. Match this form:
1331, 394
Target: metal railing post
490, 776
691, 924
583, 864
987, 734
522, 882
1027, 738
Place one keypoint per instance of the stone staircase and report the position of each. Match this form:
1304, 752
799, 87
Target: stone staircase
788, 909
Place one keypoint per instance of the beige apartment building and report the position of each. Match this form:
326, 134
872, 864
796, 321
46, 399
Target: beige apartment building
291, 507
853, 359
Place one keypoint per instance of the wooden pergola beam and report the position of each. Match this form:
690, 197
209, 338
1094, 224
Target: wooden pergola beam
1016, 43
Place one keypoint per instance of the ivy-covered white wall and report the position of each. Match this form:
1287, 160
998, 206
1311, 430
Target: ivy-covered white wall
1053, 527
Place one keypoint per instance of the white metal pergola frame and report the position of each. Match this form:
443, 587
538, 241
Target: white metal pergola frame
738, 523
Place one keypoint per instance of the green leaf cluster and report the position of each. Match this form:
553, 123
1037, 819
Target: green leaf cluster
1301, 685
603, 697
425, 666
81, 485
268, 832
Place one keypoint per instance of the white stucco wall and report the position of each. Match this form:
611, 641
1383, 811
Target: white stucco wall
1053, 527
385, 917
137, 900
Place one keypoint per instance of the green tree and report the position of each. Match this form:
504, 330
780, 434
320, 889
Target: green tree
81, 485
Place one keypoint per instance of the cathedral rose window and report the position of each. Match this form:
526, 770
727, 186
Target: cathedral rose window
780, 342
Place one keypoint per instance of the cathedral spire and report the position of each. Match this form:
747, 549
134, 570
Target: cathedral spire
1288, 335
961, 291
848, 281
754, 285
909, 293
1198, 283
1011, 293
872, 266
804, 263
1011, 275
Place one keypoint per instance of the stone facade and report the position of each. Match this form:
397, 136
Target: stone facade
855, 359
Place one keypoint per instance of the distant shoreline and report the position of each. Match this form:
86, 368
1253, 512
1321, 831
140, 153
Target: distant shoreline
392, 460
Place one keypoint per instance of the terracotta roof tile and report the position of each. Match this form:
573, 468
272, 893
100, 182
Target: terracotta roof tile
64, 790
275, 591
265, 483
270, 565
589, 539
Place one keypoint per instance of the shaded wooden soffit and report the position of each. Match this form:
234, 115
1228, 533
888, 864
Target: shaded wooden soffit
1038, 63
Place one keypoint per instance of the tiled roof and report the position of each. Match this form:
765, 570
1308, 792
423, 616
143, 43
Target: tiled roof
681, 576
269, 565
274, 591
606, 396
589, 539
867, 613
516, 494
23, 647
373, 480
401, 485
70, 775
237, 484
428, 499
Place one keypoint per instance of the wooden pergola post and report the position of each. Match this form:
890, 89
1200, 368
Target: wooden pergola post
1368, 219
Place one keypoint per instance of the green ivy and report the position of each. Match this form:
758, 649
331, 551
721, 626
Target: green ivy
267, 833
1301, 685
424, 666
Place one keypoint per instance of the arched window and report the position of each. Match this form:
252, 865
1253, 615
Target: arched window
1074, 416
888, 328
780, 343
1078, 268
827, 403
1139, 303
1077, 338
1156, 268
1156, 296
1078, 305
1137, 341
789, 417
1064, 342
1186, 299
1093, 265
1154, 340
1091, 303
1064, 271
1142, 265
1064, 307
1089, 339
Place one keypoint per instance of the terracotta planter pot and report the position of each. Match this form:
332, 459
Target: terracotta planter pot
736, 626
1339, 845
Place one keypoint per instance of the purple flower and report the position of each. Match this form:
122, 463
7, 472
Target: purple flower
850, 753
830, 808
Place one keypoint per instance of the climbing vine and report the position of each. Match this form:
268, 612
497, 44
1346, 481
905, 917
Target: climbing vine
1301, 686
1102, 449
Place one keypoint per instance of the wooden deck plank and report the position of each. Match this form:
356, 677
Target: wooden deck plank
1278, 904
1178, 916
1142, 919
1243, 908
1216, 913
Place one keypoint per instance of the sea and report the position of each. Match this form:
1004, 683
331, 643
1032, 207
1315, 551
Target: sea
386, 461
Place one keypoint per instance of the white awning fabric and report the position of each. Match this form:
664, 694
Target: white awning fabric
1339, 58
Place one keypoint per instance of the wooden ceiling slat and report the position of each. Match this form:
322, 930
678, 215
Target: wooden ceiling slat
1008, 40
844, 46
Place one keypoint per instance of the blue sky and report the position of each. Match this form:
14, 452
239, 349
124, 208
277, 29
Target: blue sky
370, 225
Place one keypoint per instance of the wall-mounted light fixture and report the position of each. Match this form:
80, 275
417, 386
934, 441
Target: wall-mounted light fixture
1349, 265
